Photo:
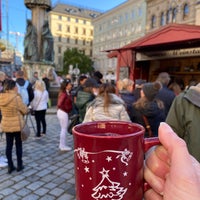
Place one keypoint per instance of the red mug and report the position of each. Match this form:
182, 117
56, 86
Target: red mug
109, 158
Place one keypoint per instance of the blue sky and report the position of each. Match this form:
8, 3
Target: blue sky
14, 14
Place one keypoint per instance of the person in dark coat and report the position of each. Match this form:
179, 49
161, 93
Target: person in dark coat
149, 107
85, 96
165, 94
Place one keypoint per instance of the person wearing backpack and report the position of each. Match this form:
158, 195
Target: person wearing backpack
24, 88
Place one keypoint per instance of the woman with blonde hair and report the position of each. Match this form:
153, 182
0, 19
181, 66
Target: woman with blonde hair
106, 106
125, 88
39, 105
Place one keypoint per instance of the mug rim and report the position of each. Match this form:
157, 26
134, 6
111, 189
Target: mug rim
141, 131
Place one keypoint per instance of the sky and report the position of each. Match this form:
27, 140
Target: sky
14, 15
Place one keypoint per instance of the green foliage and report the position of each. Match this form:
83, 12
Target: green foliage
75, 57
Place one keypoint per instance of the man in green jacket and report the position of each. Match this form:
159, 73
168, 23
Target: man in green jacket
184, 118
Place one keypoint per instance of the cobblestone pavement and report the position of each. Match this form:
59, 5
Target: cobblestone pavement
48, 173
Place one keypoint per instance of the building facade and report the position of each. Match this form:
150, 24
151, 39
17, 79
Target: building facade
160, 13
71, 27
114, 29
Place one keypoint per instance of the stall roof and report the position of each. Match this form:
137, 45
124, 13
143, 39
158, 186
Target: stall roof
171, 36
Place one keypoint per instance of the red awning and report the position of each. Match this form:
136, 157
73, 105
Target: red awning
169, 34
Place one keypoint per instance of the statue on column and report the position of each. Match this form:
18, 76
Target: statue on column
47, 43
30, 42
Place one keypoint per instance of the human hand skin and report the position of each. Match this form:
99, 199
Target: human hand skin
170, 170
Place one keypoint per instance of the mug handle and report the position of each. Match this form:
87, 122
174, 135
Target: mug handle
148, 143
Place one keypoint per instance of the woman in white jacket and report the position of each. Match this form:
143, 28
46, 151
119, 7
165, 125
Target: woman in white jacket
106, 106
39, 105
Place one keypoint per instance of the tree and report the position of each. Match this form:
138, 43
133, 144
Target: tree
75, 57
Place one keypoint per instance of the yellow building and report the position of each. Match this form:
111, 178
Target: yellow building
71, 28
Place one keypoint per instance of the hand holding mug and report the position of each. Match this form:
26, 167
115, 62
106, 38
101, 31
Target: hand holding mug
170, 170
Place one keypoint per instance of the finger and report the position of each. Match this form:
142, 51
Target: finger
154, 181
152, 195
156, 162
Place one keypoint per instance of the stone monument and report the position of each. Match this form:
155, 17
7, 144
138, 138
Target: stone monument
38, 42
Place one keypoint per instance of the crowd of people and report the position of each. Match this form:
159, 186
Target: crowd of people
147, 103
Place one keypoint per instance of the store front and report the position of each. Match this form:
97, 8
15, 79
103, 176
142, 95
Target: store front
174, 48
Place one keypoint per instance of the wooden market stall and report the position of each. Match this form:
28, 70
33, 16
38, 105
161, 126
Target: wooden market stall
174, 48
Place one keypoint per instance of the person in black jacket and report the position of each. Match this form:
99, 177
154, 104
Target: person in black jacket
148, 110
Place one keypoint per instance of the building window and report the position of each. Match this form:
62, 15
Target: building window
168, 17
84, 31
174, 13
153, 21
59, 39
59, 50
76, 30
68, 19
140, 12
185, 11
76, 41
68, 29
60, 17
59, 27
76, 20
83, 42
68, 40
84, 21
162, 19
91, 32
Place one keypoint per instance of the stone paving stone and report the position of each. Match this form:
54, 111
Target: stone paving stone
7, 191
57, 192
20, 184
66, 197
12, 197
31, 197
41, 191
23, 192
34, 186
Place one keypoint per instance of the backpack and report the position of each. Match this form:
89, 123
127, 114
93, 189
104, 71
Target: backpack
22, 90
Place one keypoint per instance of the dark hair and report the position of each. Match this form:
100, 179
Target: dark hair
64, 84
81, 78
9, 84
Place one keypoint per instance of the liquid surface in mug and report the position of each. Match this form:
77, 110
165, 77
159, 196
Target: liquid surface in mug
106, 134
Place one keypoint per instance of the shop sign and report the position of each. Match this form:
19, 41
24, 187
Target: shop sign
177, 53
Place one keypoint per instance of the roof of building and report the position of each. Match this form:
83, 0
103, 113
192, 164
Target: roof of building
171, 36
76, 11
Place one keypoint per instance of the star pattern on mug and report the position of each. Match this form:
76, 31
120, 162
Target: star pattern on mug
109, 158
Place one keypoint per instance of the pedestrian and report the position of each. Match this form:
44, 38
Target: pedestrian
46, 81
85, 96
13, 110
28, 94
184, 116
39, 105
34, 78
64, 106
165, 94
148, 110
98, 77
125, 87
3, 160
106, 106
170, 170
